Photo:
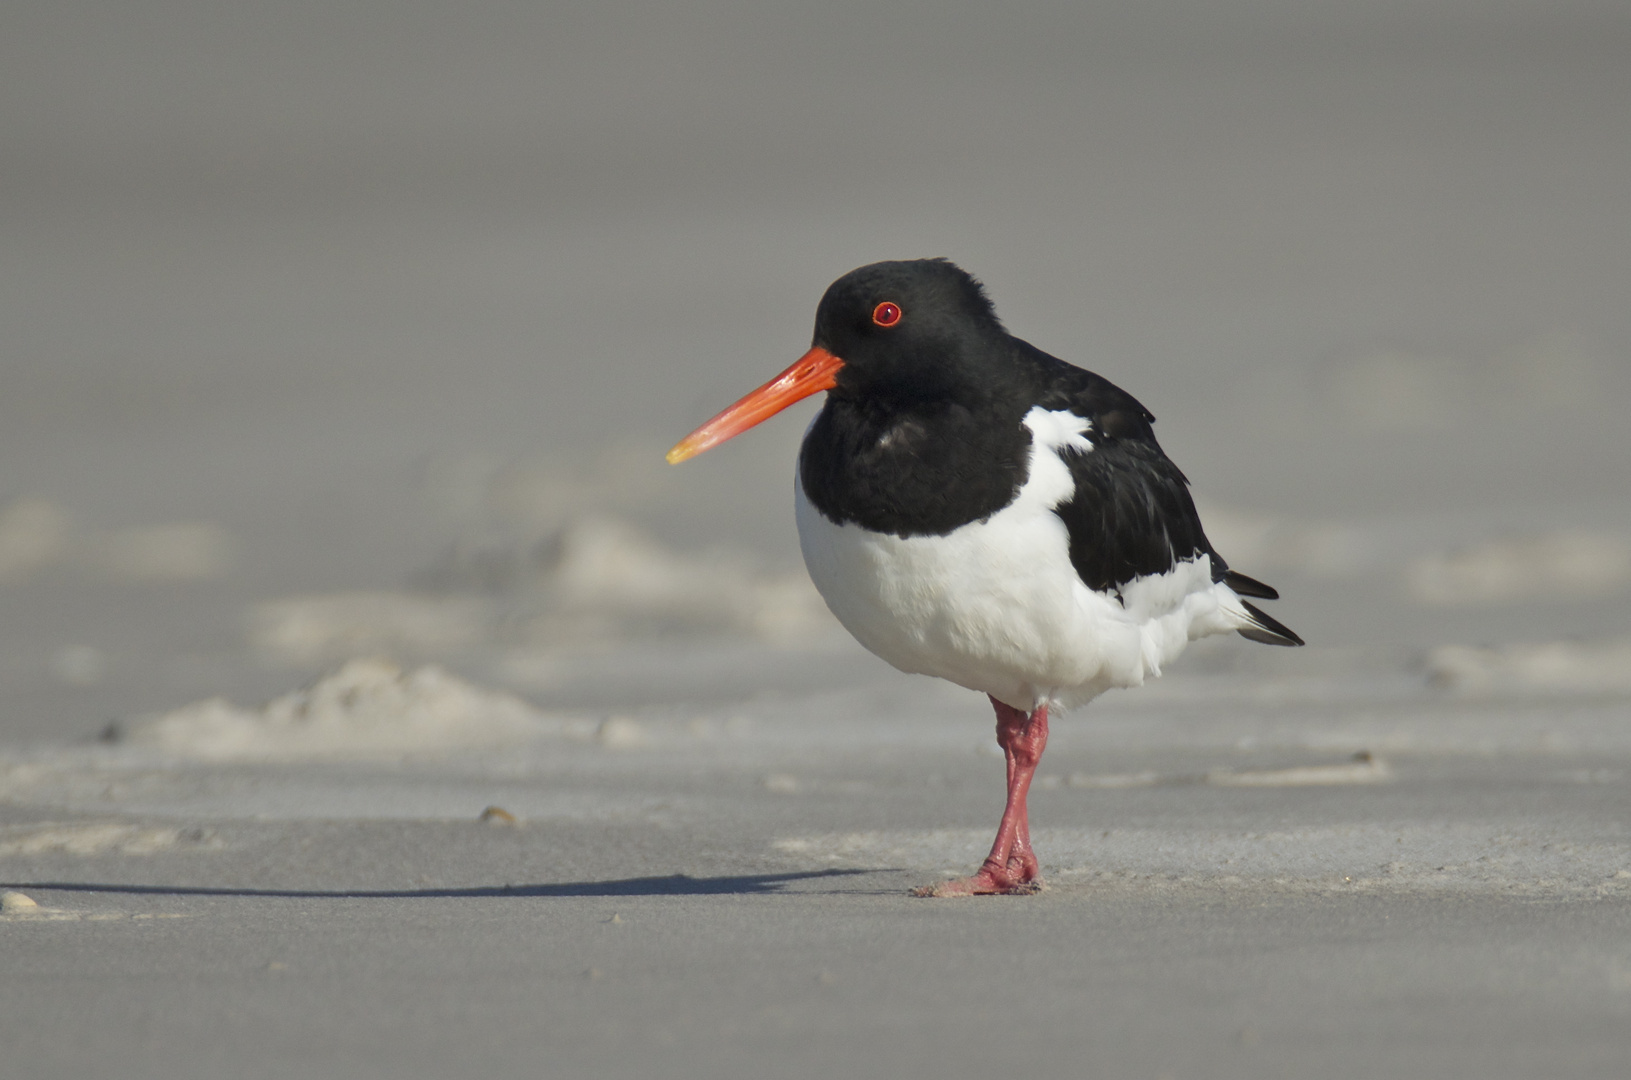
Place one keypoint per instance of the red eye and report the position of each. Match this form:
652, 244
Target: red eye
886, 314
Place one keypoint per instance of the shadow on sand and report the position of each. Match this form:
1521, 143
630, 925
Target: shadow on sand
672, 885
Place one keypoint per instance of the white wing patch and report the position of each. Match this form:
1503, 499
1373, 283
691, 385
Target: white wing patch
1058, 430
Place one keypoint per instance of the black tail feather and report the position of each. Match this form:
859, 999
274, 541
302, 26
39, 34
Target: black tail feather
1268, 630
1246, 586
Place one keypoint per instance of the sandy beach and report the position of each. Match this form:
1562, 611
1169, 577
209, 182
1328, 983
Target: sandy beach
375, 701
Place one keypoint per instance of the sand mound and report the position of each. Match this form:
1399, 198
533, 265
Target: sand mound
100, 838
33, 533
178, 551
1558, 666
1362, 768
604, 574
1403, 391
367, 709
594, 582
36, 534
1573, 564
1272, 543
325, 629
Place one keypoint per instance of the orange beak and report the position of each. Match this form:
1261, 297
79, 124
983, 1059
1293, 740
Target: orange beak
815, 371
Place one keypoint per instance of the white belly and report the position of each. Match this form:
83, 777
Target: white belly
996, 605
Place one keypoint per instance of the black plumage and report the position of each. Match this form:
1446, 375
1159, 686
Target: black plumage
925, 433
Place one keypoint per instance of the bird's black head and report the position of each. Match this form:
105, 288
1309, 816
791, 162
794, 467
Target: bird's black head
893, 334
910, 330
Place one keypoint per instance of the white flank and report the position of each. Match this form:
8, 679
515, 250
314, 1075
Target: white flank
996, 605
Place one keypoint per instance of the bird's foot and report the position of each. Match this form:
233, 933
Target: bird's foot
1011, 869
1018, 878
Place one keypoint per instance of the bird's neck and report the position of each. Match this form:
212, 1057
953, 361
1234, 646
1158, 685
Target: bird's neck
913, 467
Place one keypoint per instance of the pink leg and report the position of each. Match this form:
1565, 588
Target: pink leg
1011, 867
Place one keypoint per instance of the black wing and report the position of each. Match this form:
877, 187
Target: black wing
1131, 514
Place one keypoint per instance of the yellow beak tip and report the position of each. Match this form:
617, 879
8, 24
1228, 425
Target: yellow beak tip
811, 373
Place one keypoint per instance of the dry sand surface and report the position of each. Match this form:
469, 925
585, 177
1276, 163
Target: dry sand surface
1250, 875
375, 702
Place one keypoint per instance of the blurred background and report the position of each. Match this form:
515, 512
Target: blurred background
349, 327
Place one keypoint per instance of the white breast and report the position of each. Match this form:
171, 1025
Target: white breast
996, 605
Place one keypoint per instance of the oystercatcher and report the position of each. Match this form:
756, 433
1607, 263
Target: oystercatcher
973, 508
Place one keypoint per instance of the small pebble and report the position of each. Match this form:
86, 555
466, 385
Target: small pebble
16, 903
781, 783
616, 918
497, 815
592, 974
